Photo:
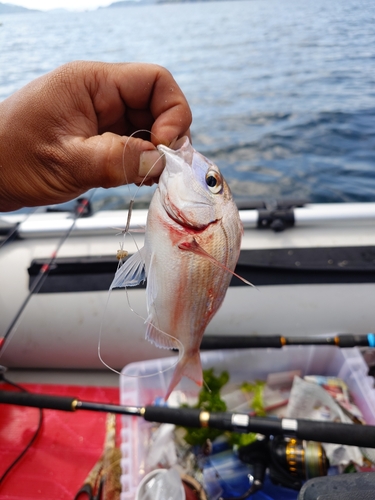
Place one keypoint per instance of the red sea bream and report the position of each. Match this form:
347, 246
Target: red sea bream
192, 244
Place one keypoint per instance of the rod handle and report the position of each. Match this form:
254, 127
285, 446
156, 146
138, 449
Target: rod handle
186, 417
334, 432
309, 430
214, 342
65, 403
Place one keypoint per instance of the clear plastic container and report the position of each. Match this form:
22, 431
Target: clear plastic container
144, 382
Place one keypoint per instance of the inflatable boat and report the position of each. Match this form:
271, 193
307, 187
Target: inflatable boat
312, 267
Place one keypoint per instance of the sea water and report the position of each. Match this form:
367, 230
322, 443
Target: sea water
282, 92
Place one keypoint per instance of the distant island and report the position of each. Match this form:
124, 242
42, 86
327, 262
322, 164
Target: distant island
127, 3
8, 8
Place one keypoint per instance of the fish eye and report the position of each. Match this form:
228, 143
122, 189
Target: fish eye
214, 181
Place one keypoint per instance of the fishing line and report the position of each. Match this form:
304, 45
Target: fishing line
125, 232
41, 276
207, 386
180, 349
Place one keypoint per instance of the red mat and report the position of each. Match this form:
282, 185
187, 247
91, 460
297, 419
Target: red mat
68, 445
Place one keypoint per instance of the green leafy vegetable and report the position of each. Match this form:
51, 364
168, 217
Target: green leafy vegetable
209, 399
257, 389
236, 439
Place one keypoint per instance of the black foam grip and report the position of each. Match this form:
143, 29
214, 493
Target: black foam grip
353, 340
239, 341
187, 417
332, 432
37, 400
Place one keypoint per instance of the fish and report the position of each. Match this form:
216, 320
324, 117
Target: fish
192, 245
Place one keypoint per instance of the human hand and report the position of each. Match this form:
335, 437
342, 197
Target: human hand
66, 131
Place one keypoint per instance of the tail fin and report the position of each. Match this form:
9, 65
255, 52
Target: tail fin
188, 366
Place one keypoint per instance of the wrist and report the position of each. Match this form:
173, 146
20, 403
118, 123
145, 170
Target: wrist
6, 201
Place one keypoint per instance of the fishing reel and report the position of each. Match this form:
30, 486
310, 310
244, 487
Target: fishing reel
290, 461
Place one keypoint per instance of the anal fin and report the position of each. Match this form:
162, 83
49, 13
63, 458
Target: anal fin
160, 338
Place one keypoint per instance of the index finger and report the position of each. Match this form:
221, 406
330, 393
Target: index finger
136, 86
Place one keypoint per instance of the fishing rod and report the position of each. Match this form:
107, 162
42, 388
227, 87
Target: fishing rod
82, 209
214, 342
309, 430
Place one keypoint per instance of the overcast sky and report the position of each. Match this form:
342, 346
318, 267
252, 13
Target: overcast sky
57, 4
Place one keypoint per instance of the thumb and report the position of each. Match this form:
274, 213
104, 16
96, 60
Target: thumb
110, 160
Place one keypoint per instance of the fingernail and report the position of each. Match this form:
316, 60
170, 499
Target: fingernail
151, 163
169, 144
173, 142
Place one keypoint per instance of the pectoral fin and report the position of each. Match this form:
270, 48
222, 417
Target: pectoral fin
192, 246
132, 272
